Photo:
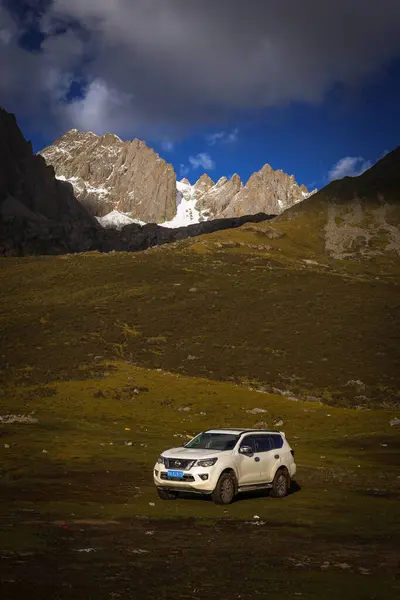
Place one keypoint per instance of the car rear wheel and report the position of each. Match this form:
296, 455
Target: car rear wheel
280, 484
166, 494
225, 489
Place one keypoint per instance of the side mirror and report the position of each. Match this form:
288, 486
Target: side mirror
246, 450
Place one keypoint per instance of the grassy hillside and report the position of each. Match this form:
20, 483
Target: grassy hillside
210, 308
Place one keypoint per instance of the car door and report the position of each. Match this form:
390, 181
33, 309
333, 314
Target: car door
248, 464
270, 458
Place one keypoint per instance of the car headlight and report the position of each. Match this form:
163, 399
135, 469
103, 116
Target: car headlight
207, 462
161, 460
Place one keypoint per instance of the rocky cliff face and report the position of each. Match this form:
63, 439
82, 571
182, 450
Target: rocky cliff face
216, 200
27, 185
108, 174
38, 213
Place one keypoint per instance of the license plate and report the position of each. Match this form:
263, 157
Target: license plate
175, 474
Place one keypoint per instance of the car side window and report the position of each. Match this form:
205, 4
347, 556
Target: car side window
263, 443
248, 441
277, 441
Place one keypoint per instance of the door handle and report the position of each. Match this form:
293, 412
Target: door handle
257, 459
276, 456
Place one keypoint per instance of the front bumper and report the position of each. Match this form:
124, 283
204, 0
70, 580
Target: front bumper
197, 480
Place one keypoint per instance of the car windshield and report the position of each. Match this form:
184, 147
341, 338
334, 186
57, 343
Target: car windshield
213, 441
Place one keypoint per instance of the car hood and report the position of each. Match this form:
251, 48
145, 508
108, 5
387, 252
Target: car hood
190, 453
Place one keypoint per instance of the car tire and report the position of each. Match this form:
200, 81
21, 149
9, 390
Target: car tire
225, 490
280, 484
165, 494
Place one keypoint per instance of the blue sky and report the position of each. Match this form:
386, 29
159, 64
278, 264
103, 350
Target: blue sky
306, 140
217, 87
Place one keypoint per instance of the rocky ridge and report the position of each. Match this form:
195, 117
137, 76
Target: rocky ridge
274, 191
111, 176
40, 215
267, 191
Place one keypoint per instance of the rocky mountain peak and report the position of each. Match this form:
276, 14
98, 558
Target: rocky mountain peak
216, 199
267, 191
221, 181
108, 174
235, 177
185, 181
204, 182
266, 169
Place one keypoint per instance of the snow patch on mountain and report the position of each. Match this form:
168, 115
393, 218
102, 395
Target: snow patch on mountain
117, 220
101, 191
308, 194
77, 185
186, 211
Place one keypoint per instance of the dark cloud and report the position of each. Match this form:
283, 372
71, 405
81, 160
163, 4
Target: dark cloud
161, 66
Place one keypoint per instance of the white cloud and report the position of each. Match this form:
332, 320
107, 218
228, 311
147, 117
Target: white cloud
202, 160
222, 137
99, 106
349, 166
213, 138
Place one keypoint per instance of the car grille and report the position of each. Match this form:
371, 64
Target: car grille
178, 463
184, 478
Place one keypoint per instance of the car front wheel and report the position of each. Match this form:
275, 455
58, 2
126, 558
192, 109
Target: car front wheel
225, 489
166, 494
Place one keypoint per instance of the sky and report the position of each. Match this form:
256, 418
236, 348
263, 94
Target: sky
216, 86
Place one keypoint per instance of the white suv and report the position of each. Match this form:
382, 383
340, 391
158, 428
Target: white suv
223, 462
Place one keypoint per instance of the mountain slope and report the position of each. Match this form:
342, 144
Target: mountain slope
352, 219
